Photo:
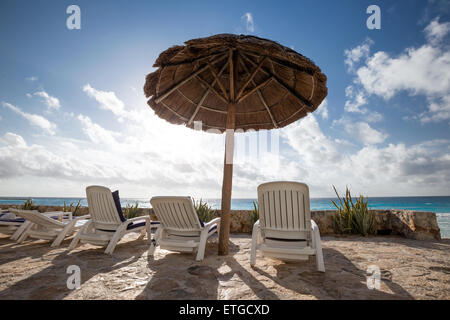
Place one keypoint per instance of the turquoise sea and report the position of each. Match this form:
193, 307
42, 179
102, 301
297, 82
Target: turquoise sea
439, 205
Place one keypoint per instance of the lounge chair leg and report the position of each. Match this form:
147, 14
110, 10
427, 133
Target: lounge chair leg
56, 242
202, 245
113, 242
62, 235
142, 234
318, 246
255, 234
74, 243
152, 248
148, 229
25, 226
76, 239
154, 241
23, 237
319, 257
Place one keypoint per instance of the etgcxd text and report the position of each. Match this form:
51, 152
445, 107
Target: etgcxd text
228, 309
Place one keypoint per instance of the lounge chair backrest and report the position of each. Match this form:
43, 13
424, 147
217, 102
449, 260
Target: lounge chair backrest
102, 208
38, 218
176, 213
284, 210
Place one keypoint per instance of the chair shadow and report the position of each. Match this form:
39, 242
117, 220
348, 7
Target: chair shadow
342, 279
10, 250
50, 283
200, 280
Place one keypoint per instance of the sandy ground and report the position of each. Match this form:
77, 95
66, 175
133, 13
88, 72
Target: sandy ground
410, 269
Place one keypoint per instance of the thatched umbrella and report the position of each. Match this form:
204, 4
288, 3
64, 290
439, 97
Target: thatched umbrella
231, 82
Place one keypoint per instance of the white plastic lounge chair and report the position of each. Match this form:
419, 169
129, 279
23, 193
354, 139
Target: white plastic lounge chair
9, 223
108, 225
285, 229
43, 226
14, 225
180, 228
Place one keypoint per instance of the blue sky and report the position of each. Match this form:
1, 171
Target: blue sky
73, 112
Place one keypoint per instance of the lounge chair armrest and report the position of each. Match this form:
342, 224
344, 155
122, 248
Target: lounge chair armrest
212, 222
146, 218
54, 212
60, 214
86, 216
256, 223
15, 210
314, 225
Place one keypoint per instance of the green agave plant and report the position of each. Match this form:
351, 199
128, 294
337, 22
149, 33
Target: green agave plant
29, 205
71, 208
204, 211
255, 213
353, 217
131, 211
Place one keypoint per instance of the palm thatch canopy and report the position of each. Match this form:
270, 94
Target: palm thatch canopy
270, 85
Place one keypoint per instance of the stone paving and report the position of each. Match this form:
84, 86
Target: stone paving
410, 269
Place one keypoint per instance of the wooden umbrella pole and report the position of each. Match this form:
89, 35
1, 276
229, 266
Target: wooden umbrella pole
224, 234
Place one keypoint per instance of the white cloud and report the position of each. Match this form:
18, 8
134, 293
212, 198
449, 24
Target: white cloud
354, 55
32, 78
14, 140
50, 101
107, 101
98, 134
248, 19
438, 110
33, 119
146, 159
322, 110
360, 130
396, 169
436, 31
355, 100
134, 90
365, 133
423, 165
307, 139
19, 159
373, 116
419, 71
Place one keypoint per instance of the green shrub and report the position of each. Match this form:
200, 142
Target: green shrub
72, 208
353, 217
255, 213
29, 205
204, 211
131, 211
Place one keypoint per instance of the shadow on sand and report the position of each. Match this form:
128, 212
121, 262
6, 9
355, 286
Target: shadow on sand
231, 277
342, 280
179, 276
50, 283
200, 280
